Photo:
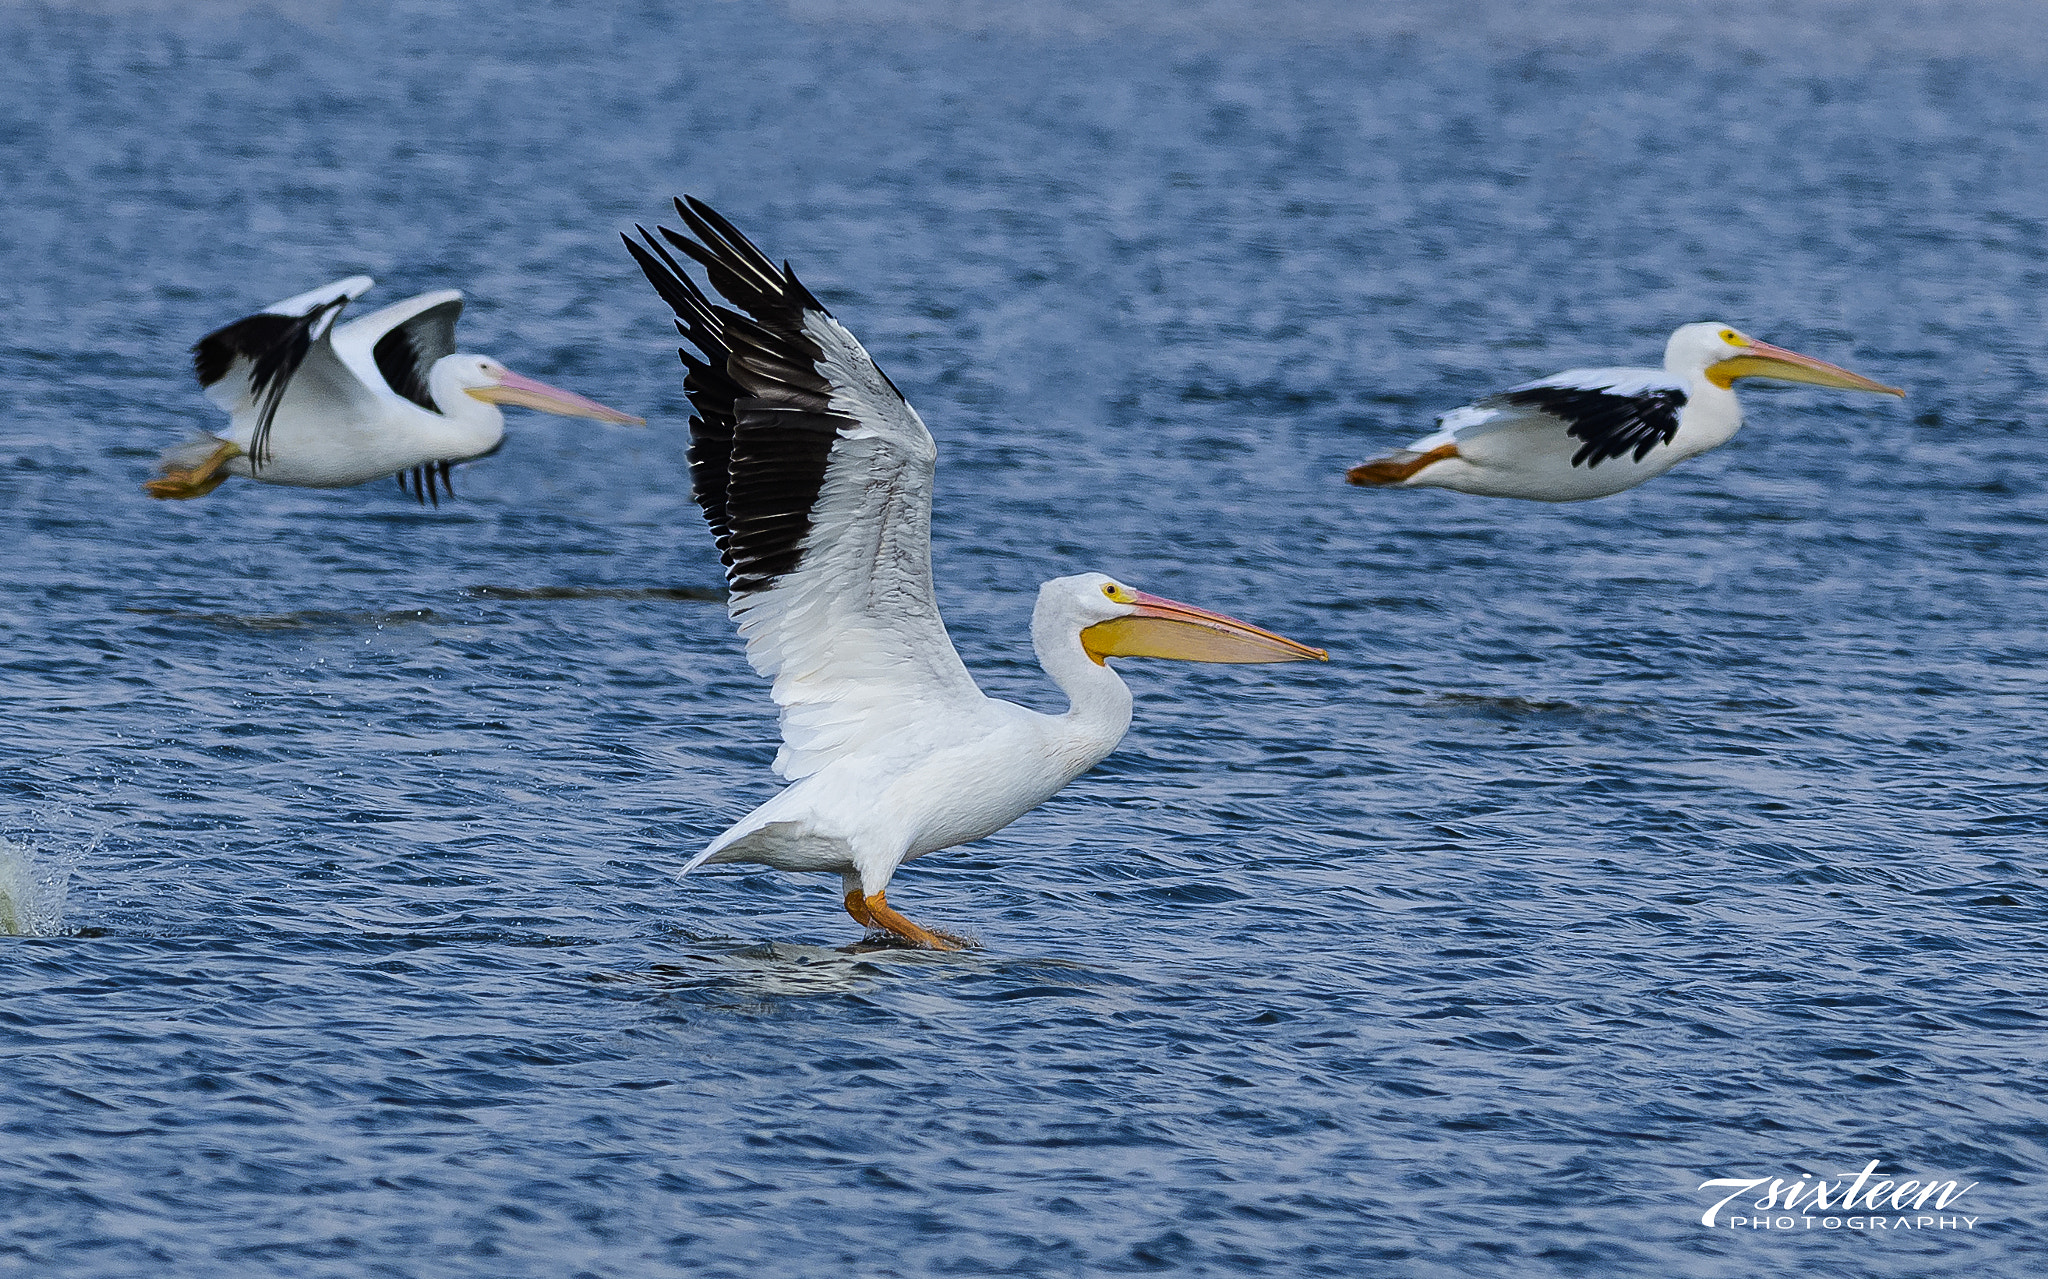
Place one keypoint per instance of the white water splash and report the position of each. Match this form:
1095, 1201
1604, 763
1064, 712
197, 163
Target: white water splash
33, 889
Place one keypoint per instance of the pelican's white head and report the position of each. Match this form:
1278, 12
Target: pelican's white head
1113, 620
483, 378
1723, 354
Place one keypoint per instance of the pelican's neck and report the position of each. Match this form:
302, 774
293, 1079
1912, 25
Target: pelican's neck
1098, 700
1712, 413
468, 427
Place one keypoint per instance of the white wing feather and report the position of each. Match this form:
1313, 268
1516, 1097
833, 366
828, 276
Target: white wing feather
323, 388
852, 639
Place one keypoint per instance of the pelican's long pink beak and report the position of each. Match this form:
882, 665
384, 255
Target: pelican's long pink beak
529, 393
1761, 359
1161, 627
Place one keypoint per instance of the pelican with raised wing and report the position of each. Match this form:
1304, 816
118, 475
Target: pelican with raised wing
316, 405
816, 478
1590, 432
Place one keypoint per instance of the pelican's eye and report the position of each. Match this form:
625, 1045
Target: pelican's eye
1109, 589
1119, 593
1732, 338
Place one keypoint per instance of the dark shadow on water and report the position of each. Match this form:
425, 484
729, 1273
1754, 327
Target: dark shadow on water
1510, 707
747, 972
310, 619
702, 593
773, 968
1513, 705
307, 619
874, 942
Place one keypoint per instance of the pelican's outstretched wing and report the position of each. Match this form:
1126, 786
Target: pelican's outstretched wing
250, 366
395, 348
816, 478
1615, 412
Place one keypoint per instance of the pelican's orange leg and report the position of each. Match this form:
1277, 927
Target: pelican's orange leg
882, 915
856, 906
197, 480
1385, 471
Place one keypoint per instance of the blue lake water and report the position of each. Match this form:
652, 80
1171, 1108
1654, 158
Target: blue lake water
1694, 833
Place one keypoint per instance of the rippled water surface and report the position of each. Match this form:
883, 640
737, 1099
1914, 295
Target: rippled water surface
1689, 834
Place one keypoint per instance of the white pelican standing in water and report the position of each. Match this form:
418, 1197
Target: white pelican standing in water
314, 405
1591, 432
816, 478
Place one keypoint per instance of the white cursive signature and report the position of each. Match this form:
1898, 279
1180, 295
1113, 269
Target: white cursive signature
1841, 1195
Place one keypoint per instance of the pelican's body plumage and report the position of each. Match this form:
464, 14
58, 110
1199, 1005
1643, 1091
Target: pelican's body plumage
964, 768
316, 404
1588, 433
816, 478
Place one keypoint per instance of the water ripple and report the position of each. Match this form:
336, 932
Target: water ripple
1690, 834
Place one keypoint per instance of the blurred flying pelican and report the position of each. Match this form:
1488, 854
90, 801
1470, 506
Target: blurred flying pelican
816, 478
314, 405
1591, 432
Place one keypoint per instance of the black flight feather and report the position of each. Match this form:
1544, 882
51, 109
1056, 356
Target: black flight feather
764, 428
407, 354
711, 389
421, 487
275, 346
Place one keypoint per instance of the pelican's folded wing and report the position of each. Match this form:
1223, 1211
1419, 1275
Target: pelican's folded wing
816, 478
1616, 412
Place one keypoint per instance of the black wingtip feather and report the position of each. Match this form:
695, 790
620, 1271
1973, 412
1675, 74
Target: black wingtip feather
764, 431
